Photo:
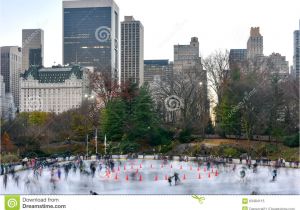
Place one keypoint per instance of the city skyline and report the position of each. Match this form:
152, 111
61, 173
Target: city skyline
231, 31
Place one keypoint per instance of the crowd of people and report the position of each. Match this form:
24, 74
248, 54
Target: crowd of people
107, 165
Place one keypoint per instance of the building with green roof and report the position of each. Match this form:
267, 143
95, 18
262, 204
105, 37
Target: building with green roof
56, 89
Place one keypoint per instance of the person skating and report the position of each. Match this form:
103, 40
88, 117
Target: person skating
93, 169
58, 173
274, 175
176, 177
16, 179
5, 180
93, 193
170, 180
66, 168
208, 166
2, 169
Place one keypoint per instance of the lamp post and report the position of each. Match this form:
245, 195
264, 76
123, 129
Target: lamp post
87, 98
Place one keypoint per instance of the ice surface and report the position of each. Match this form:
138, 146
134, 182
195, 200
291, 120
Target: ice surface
142, 180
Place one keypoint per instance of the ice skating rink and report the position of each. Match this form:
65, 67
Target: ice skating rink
150, 177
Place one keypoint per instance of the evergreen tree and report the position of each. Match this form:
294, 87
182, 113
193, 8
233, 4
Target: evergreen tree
113, 119
144, 118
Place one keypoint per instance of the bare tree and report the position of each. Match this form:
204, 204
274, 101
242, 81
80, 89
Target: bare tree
103, 86
217, 66
189, 89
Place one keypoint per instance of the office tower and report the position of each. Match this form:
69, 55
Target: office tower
255, 43
237, 57
296, 57
156, 71
91, 35
186, 55
7, 105
32, 48
132, 51
55, 89
11, 66
279, 64
188, 63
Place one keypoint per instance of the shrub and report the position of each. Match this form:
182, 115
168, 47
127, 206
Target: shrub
230, 152
291, 141
9, 158
129, 147
185, 136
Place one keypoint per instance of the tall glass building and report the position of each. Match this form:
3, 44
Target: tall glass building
296, 58
91, 35
32, 48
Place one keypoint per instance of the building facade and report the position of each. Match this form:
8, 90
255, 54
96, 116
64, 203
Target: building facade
187, 56
32, 48
237, 57
7, 105
278, 64
11, 68
156, 71
55, 89
132, 51
296, 57
255, 44
91, 35
187, 64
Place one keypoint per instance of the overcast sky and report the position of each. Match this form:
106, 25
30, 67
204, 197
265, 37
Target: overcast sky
219, 24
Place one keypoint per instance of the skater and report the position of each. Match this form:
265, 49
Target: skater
12, 171
170, 180
2, 169
243, 174
66, 171
176, 177
16, 179
52, 179
5, 180
274, 175
59, 173
254, 167
208, 166
93, 193
93, 169
234, 167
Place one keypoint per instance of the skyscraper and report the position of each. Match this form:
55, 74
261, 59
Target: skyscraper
156, 71
90, 35
11, 66
7, 105
236, 57
188, 62
32, 48
132, 51
296, 58
255, 43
